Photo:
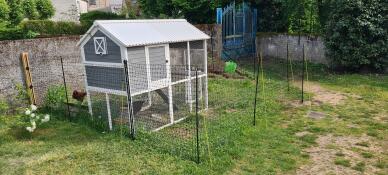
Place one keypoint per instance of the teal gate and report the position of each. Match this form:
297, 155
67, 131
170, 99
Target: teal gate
239, 26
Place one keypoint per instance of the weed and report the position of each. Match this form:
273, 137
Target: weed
342, 162
366, 155
360, 166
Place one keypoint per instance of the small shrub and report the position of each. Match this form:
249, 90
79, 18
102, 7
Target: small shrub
3, 106
55, 96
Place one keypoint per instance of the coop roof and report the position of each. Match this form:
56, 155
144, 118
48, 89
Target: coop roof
146, 32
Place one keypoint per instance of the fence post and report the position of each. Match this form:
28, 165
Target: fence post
196, 112
288, 76
257, 85
302, 100
129, 103
64, 83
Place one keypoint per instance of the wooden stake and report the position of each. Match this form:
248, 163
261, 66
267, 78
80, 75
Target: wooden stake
28, 78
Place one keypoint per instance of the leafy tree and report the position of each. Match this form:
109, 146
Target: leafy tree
29, 7
45, 9
356, 35
195, 11
4, 10
272, 16
16, 13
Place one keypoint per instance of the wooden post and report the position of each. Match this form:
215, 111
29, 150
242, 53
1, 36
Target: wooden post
28, 78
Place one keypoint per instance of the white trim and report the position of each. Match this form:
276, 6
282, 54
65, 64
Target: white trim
189, 82
206, 81
103, 64
108, 109
85, 38
86, 83
148, 69
109, 91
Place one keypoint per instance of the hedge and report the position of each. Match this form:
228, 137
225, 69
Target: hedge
50, 28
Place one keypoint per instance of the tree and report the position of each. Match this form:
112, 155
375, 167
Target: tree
195, 11
29, 7
45, 9
272, 16
4, 11
356, 35
16, 14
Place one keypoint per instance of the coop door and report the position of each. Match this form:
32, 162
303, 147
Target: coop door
158, 61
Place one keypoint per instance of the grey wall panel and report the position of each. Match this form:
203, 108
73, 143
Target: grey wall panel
157, 57
137, 69
105, 77
113, 50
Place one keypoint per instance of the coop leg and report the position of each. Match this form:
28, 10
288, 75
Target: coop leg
89, 102
206, 94
170, 104
108, 109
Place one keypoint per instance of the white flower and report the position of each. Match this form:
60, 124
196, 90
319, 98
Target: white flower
29, 129
32, 115
46, 118
33, 123
28, 112
33, 107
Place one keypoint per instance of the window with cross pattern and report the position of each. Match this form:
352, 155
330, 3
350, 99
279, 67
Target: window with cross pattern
100, 45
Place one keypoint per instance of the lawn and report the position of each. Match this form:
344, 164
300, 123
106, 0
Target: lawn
350, 139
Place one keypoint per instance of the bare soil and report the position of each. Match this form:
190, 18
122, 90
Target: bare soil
322, 95
325, 153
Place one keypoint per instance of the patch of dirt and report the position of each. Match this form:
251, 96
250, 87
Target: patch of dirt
322, 95
316, 115
303, 133
323, 156
382, 117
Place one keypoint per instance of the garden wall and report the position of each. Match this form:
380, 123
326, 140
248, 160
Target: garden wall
44, 57
275, 45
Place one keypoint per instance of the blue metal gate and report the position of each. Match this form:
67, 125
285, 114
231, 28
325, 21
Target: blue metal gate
239, 26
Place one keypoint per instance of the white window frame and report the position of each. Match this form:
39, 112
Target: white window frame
100, 45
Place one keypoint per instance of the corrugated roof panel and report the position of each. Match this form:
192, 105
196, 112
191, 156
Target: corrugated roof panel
145, 32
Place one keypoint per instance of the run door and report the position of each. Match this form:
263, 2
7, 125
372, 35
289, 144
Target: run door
158, 59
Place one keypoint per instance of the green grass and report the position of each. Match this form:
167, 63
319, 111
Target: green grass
236, 147
342, 162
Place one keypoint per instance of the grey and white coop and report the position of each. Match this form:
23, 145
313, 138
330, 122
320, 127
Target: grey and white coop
166, 69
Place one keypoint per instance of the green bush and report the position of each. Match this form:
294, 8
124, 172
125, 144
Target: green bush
12, 33
87, 19
45, 9
16, 13
55, 96
356, 35
48, 28
4, 10
29, 6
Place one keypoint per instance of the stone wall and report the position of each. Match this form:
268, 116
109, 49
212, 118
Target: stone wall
275, 45
45, 64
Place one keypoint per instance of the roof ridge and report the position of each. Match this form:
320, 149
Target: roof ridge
141, 21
